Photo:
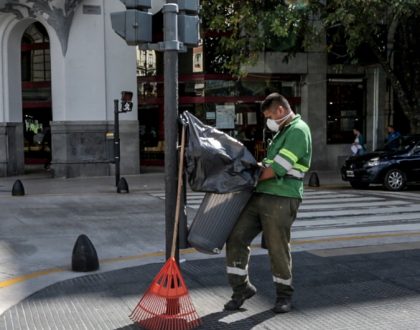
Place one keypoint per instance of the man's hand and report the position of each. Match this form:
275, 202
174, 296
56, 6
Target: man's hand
266, 173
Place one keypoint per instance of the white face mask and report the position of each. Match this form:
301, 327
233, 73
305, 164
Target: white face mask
274, 125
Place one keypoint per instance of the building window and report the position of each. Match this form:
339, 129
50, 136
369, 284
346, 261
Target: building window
345, 109
198, 59
146, 63
35, 50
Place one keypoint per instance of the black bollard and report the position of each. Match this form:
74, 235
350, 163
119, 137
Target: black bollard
313, 180
122, 186
84, 258
18, 189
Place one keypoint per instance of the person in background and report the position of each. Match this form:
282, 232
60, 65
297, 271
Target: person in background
273, 206
358, 146
46, 147
392, 142
38, 137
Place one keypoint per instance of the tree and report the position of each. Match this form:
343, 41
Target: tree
387, 29
244, 28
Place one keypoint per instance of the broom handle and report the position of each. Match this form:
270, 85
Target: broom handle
178, 194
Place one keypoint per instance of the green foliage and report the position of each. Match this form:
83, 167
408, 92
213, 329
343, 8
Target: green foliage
364, 20
248, 27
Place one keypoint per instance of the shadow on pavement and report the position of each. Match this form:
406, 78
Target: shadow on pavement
215, 321
244, 323
365, 289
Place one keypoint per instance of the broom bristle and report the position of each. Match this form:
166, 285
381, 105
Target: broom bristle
166, 304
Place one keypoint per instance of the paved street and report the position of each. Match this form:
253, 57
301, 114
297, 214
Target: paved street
361, 214
356, 255
350, 212
334, 290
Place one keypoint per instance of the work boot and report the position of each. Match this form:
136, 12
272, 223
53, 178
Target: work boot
238, 298
283, 305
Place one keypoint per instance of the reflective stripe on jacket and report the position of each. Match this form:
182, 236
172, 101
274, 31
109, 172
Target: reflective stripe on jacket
289, 155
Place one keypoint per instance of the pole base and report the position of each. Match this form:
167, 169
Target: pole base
313, 180
122, 186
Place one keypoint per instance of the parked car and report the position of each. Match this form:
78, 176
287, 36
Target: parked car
393, 168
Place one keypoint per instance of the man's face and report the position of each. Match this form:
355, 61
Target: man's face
274, 112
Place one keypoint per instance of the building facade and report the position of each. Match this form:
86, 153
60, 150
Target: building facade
61, 67
333, 100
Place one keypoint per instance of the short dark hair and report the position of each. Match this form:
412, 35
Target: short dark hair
275, 98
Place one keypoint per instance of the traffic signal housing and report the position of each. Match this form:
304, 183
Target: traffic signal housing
135, 24
189, 22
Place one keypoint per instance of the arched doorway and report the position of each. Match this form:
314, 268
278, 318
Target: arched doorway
36, 96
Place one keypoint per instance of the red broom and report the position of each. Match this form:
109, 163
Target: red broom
166, 303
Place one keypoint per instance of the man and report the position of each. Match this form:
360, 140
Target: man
358, 146
273, 206
393, 139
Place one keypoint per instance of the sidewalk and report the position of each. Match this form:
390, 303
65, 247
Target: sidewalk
372, 287
333, 291
41, 183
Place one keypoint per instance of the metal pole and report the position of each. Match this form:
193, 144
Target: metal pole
116, 142
170, 25
183, 233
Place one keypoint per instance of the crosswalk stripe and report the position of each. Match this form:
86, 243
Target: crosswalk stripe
341, 199
337, 231
318, 192
195, 198
352, 221
329, 201
336, 205
334, 213
328, 197
399, 194
357, 212
195, 193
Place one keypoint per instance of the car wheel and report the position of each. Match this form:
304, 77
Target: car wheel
395, 180
359, 185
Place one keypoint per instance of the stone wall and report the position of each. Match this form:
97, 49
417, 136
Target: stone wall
82, 149
11, 149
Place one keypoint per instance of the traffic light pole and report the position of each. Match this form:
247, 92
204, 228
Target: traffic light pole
171, 42
116, 142
135, 26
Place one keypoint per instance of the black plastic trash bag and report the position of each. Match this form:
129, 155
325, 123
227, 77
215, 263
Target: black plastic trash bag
216, 162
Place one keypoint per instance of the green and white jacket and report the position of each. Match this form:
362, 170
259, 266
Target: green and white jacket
289, 155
